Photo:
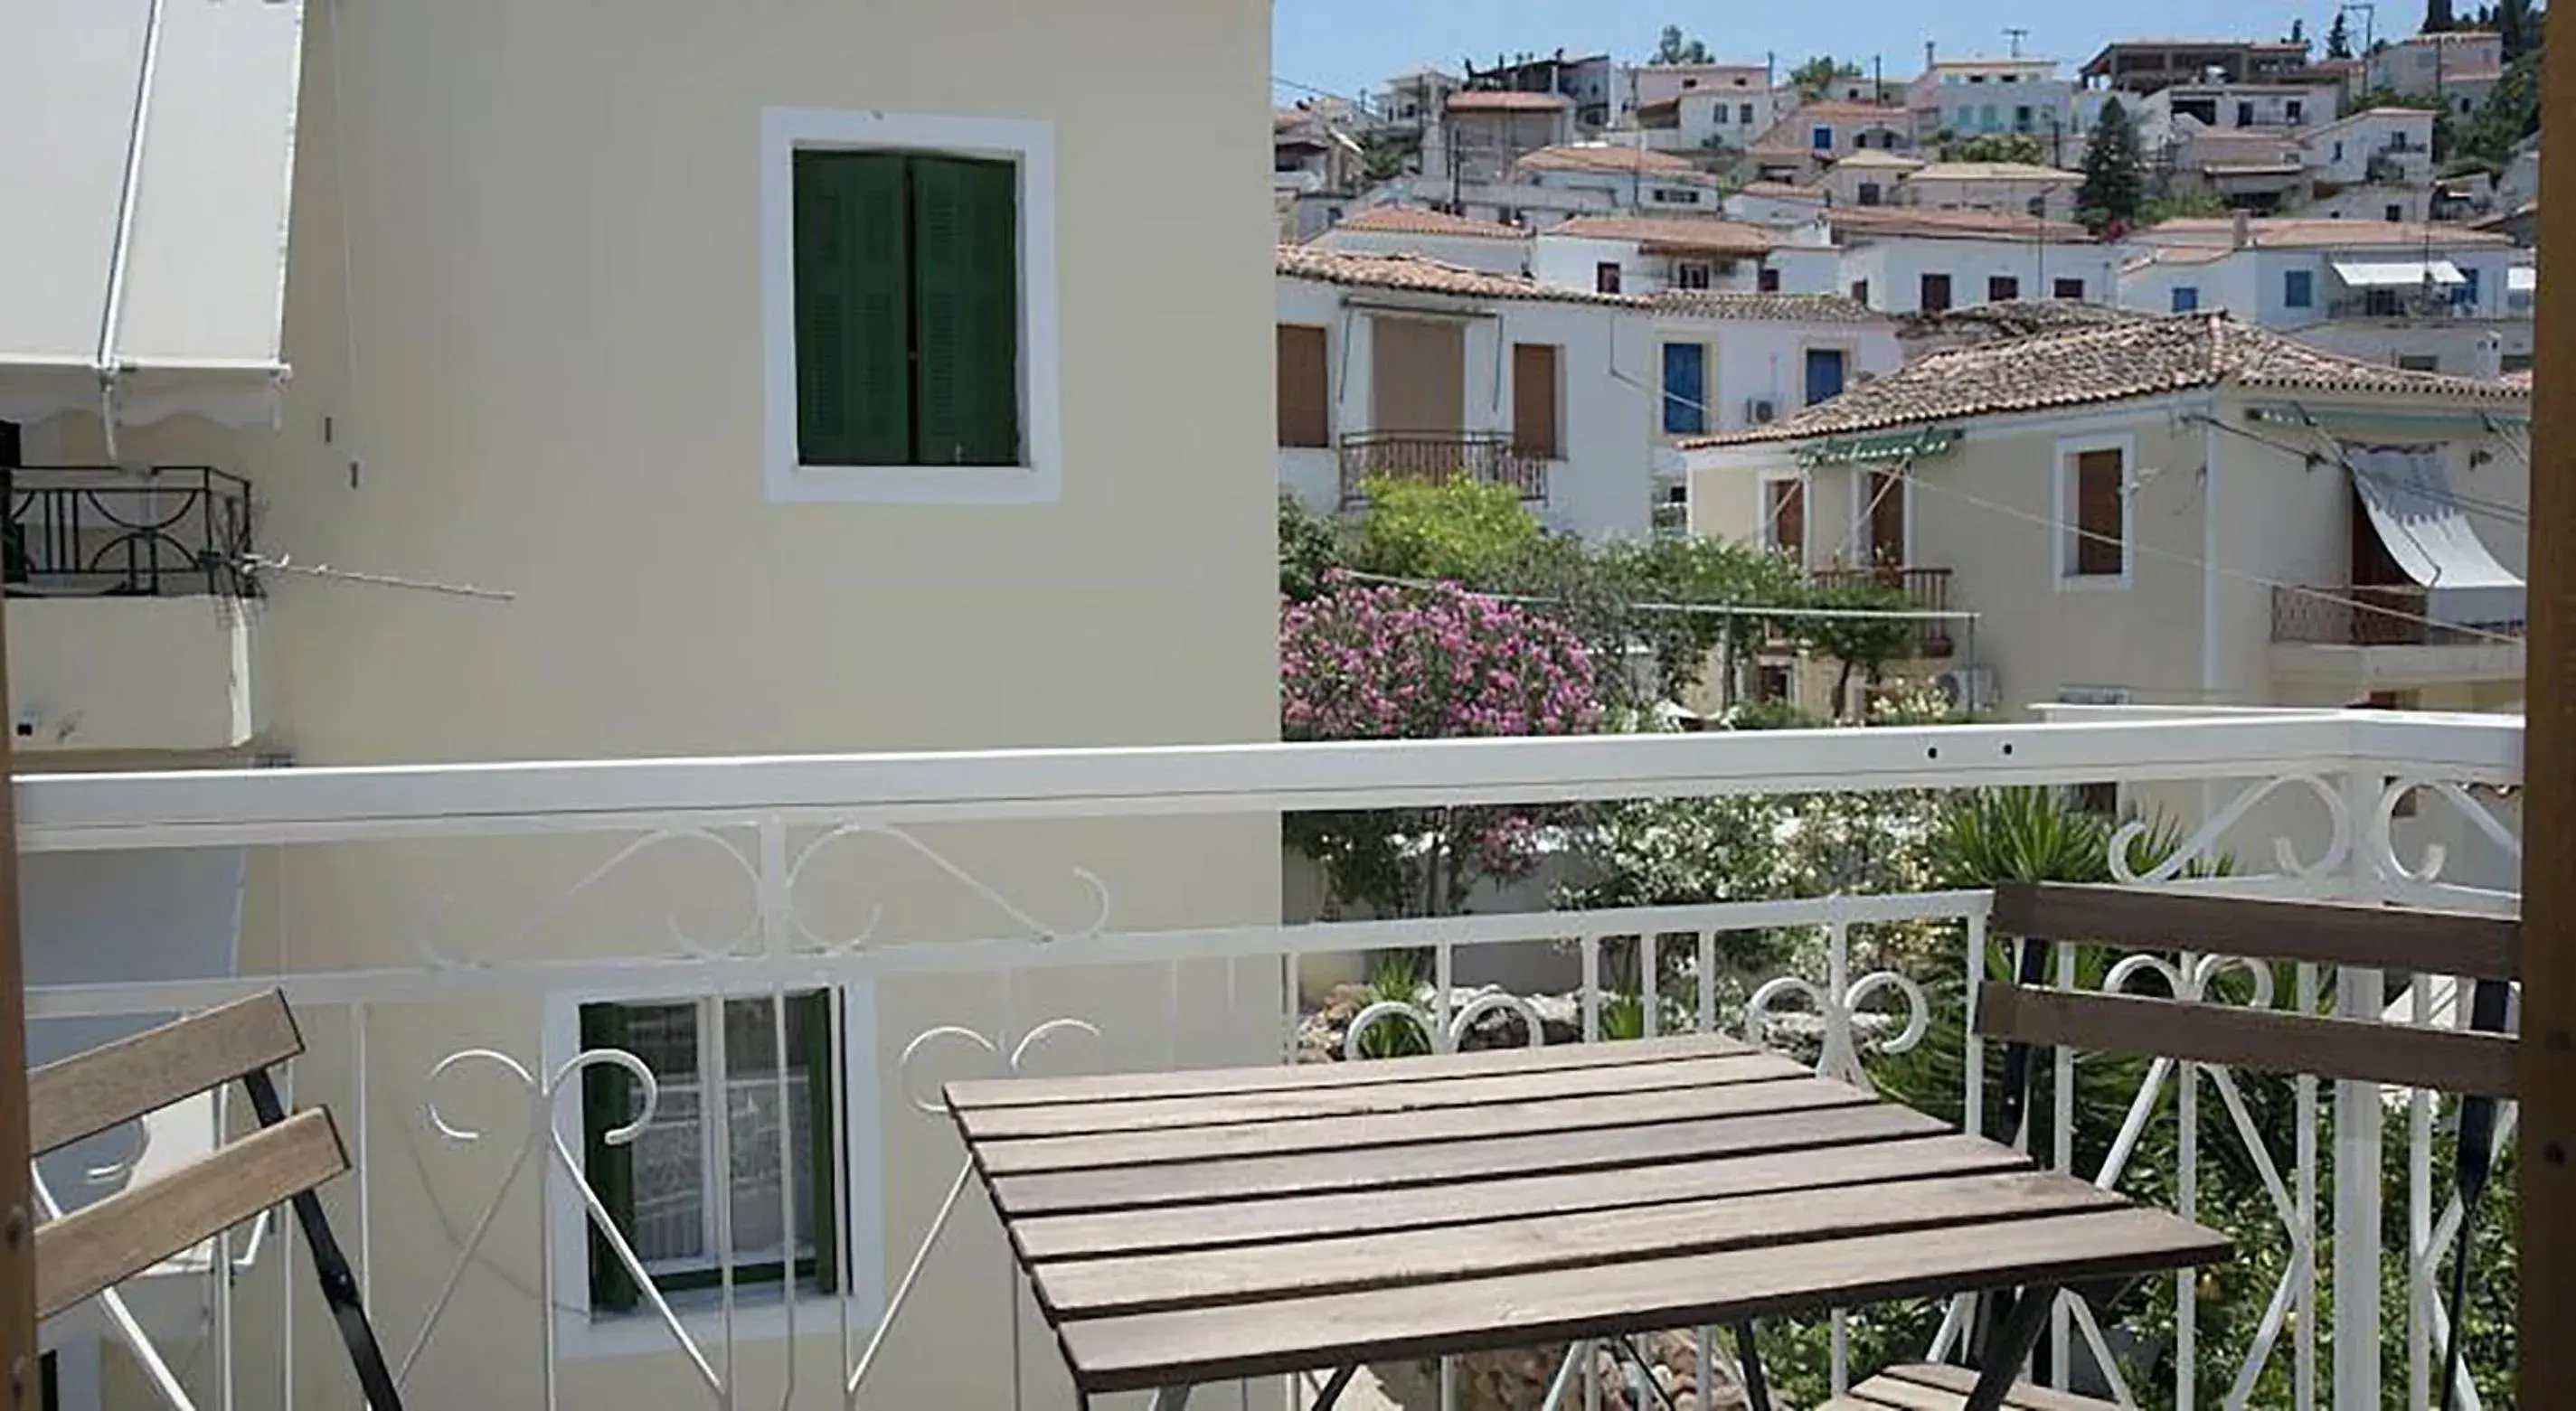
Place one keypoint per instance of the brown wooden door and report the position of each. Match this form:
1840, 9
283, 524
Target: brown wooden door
1418, 376
1305, 398
1534, 401
1788, 511
1886, 517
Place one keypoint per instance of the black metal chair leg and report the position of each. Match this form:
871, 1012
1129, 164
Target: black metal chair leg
1757, 1391
331, 1268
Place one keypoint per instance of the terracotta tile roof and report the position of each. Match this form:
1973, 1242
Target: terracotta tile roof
1881, 157
2109, 361
1698, 235
1843, 110
1413, 274
2019, 318
1412, 220
1483, 101
1781, 308
1953, 225
2294, 233
1779, 190
1602, 156
2455, 36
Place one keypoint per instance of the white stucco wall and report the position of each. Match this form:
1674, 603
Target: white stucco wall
554, 273
1895, 265
133, 673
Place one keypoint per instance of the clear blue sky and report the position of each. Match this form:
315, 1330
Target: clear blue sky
1347, 46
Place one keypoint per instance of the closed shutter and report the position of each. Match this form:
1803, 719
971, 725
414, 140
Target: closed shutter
966, 317
822, 1068
608, 1103
1305, 402
1534, 393
1936, 293
1789, 519
1886, 518
2098, 513
853, 340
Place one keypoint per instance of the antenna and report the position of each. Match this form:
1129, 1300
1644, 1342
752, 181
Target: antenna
2014, 35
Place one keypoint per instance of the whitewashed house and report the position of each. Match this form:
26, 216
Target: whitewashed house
2434, 298
1973, 96
2459, 66
2017, 188
1621, 177
1481, 132
1455, 240
1648, 255
1907, 260
1813, 136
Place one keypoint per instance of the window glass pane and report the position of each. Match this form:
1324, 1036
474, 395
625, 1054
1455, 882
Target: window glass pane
674, 1230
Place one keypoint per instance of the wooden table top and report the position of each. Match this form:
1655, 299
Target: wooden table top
1192, 1227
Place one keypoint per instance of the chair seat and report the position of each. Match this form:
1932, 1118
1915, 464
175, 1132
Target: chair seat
1937, 1388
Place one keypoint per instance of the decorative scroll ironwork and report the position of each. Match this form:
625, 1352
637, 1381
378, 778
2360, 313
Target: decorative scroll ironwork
169, 531
2201, 848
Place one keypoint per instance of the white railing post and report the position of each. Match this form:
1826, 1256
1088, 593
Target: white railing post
2357, 1122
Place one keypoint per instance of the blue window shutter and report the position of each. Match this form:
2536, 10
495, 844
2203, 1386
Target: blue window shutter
2298, 289
1824, 374
1685, 387
2186, 298
853, 346
966, 311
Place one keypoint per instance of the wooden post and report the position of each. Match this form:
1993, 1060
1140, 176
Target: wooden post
2546, 1166
18, 1387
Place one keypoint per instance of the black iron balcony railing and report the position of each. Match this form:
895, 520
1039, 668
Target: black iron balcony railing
1440, 455
105, 531
2371, 616
1927, 588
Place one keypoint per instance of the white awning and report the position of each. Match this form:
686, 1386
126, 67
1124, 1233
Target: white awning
147, 150
2522, 279
2397, 274
2428, 533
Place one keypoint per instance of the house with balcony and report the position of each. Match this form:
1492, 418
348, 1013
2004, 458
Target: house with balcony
1317, 166
2146, 66
2163, 509
1591, 82
1728, 360
1652, 85
1907, 259
2434, 298
1410, 103
2018, 188
1621, 177
534, 495
1975, 95
1702, 107
1401, 365
2459, 66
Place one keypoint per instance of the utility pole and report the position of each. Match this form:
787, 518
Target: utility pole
2014, 35
2545, 1058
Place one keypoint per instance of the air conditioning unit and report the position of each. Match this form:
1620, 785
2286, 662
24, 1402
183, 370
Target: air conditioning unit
1761, 410
1967, 688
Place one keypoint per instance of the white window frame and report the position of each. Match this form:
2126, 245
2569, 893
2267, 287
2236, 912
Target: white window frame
760, 1314
2061, 539
1028, 143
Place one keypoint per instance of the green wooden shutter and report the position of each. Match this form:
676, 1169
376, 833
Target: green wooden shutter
853, 340
966, 311
822, 1067
607, 1103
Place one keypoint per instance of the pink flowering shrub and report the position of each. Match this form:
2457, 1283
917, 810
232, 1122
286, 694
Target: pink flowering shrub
1369, 662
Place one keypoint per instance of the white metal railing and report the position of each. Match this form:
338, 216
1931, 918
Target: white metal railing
438, 928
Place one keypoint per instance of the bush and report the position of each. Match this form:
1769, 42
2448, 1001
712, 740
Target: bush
1459, 529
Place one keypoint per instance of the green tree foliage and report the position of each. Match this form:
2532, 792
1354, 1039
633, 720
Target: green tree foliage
2338, 38
2187, 206
1309, 547
1815, 78
1673, 48
2299, 30
1461, 529
2510, 114
1996, 147
2438, 17
2114, 179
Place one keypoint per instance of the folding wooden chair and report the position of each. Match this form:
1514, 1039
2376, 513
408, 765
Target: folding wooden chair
151, 1220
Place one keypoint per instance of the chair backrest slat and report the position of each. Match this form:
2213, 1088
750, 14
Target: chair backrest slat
97, 1245
2326, 933
90, 1092
2265, 1040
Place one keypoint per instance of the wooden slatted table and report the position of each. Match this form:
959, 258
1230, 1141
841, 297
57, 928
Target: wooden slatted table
1195, 1227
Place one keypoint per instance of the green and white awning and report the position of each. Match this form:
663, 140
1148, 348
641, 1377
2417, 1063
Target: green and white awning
1910, 443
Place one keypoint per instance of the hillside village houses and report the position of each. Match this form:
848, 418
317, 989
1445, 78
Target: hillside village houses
698, 478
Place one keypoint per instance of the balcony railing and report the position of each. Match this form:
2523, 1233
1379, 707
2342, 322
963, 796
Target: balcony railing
1928, 589
1440, 455
442, 931
2409, 304
104, 531
2372, 616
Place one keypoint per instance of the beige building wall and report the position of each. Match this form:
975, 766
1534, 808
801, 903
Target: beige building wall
525, 312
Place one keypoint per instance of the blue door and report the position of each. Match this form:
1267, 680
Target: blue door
1685, 388
1824, 374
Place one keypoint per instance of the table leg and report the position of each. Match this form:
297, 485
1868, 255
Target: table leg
1748, 1359
1331, 1395
1172, 1398
2011, 1345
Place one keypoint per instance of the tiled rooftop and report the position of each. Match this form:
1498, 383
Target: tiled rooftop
1952, 225
1413, 220
1992, 171
1480, 101
2293, 233
2106, 361
1413, 274
1785, 308
1684, 234
1603, 156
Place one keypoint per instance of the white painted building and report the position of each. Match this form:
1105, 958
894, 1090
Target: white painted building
1454, 240
1623, 176
1645, 255
2454, 63
1969, 97
1404, 366
2006, 187
1707, 120
2433, 298
1904, 261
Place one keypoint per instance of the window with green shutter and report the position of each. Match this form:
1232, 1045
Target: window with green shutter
907, 282
661, 1189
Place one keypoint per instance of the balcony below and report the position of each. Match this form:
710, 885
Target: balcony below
130, 625
1926, 589
2359, 639
1490, 458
